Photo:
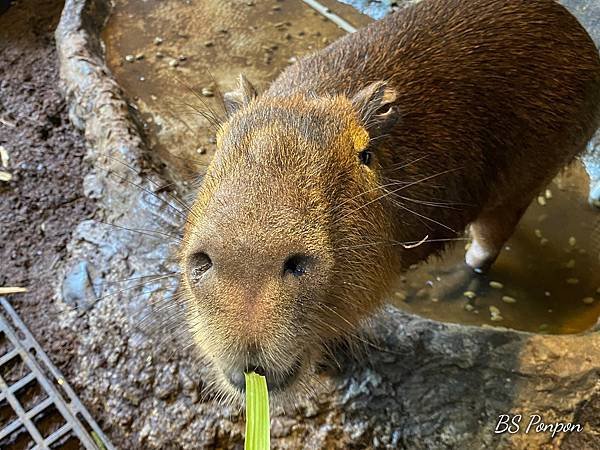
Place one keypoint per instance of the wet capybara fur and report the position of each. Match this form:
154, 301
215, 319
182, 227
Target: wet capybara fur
367, 157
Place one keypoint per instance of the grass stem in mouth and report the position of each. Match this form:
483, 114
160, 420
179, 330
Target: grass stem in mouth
257, 413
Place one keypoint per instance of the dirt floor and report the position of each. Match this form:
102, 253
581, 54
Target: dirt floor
44, 200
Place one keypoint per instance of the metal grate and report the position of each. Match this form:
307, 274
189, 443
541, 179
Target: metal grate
38, 408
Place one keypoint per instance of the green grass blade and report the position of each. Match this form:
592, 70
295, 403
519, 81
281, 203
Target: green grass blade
257, 413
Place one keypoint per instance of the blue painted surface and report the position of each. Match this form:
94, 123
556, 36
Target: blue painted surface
591, 161
374, 9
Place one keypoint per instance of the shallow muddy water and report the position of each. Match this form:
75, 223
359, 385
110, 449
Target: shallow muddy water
547, 278
172, 59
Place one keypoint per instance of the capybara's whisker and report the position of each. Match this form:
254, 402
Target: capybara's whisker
388, 193
151, 233
423, 216
403, 164
211, 115
139, 285
147, 191
141, 277
395, 243
133, 170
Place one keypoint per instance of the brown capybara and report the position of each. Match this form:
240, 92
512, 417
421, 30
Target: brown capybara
369, 156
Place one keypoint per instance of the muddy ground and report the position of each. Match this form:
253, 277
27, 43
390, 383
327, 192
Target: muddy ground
44, 200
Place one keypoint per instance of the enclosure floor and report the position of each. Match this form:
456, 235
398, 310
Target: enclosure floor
44, 201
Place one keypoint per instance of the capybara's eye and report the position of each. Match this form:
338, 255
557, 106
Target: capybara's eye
365, 157
296, 265
199, 263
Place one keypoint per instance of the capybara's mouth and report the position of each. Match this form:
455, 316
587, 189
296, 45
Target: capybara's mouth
277, 381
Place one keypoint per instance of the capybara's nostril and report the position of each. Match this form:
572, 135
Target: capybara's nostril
199, 263
297, 264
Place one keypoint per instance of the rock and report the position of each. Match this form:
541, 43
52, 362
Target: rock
77, 287
281, 427
92, 186
167, 382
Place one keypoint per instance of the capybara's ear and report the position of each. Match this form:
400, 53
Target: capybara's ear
243, 95
375, 107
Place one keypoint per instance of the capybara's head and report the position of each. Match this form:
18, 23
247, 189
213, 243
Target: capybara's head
280, 254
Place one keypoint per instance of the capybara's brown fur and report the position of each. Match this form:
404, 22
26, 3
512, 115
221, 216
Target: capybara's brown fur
369, 156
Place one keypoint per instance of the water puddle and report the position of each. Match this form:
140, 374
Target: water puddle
172, 58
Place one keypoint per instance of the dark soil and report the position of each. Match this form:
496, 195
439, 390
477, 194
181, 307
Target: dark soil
44, 201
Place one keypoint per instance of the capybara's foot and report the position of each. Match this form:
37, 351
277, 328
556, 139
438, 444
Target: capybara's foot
479, 257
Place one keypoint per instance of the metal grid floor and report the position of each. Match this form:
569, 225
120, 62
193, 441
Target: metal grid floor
38, 408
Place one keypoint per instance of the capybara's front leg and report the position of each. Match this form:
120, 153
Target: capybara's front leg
491, 230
